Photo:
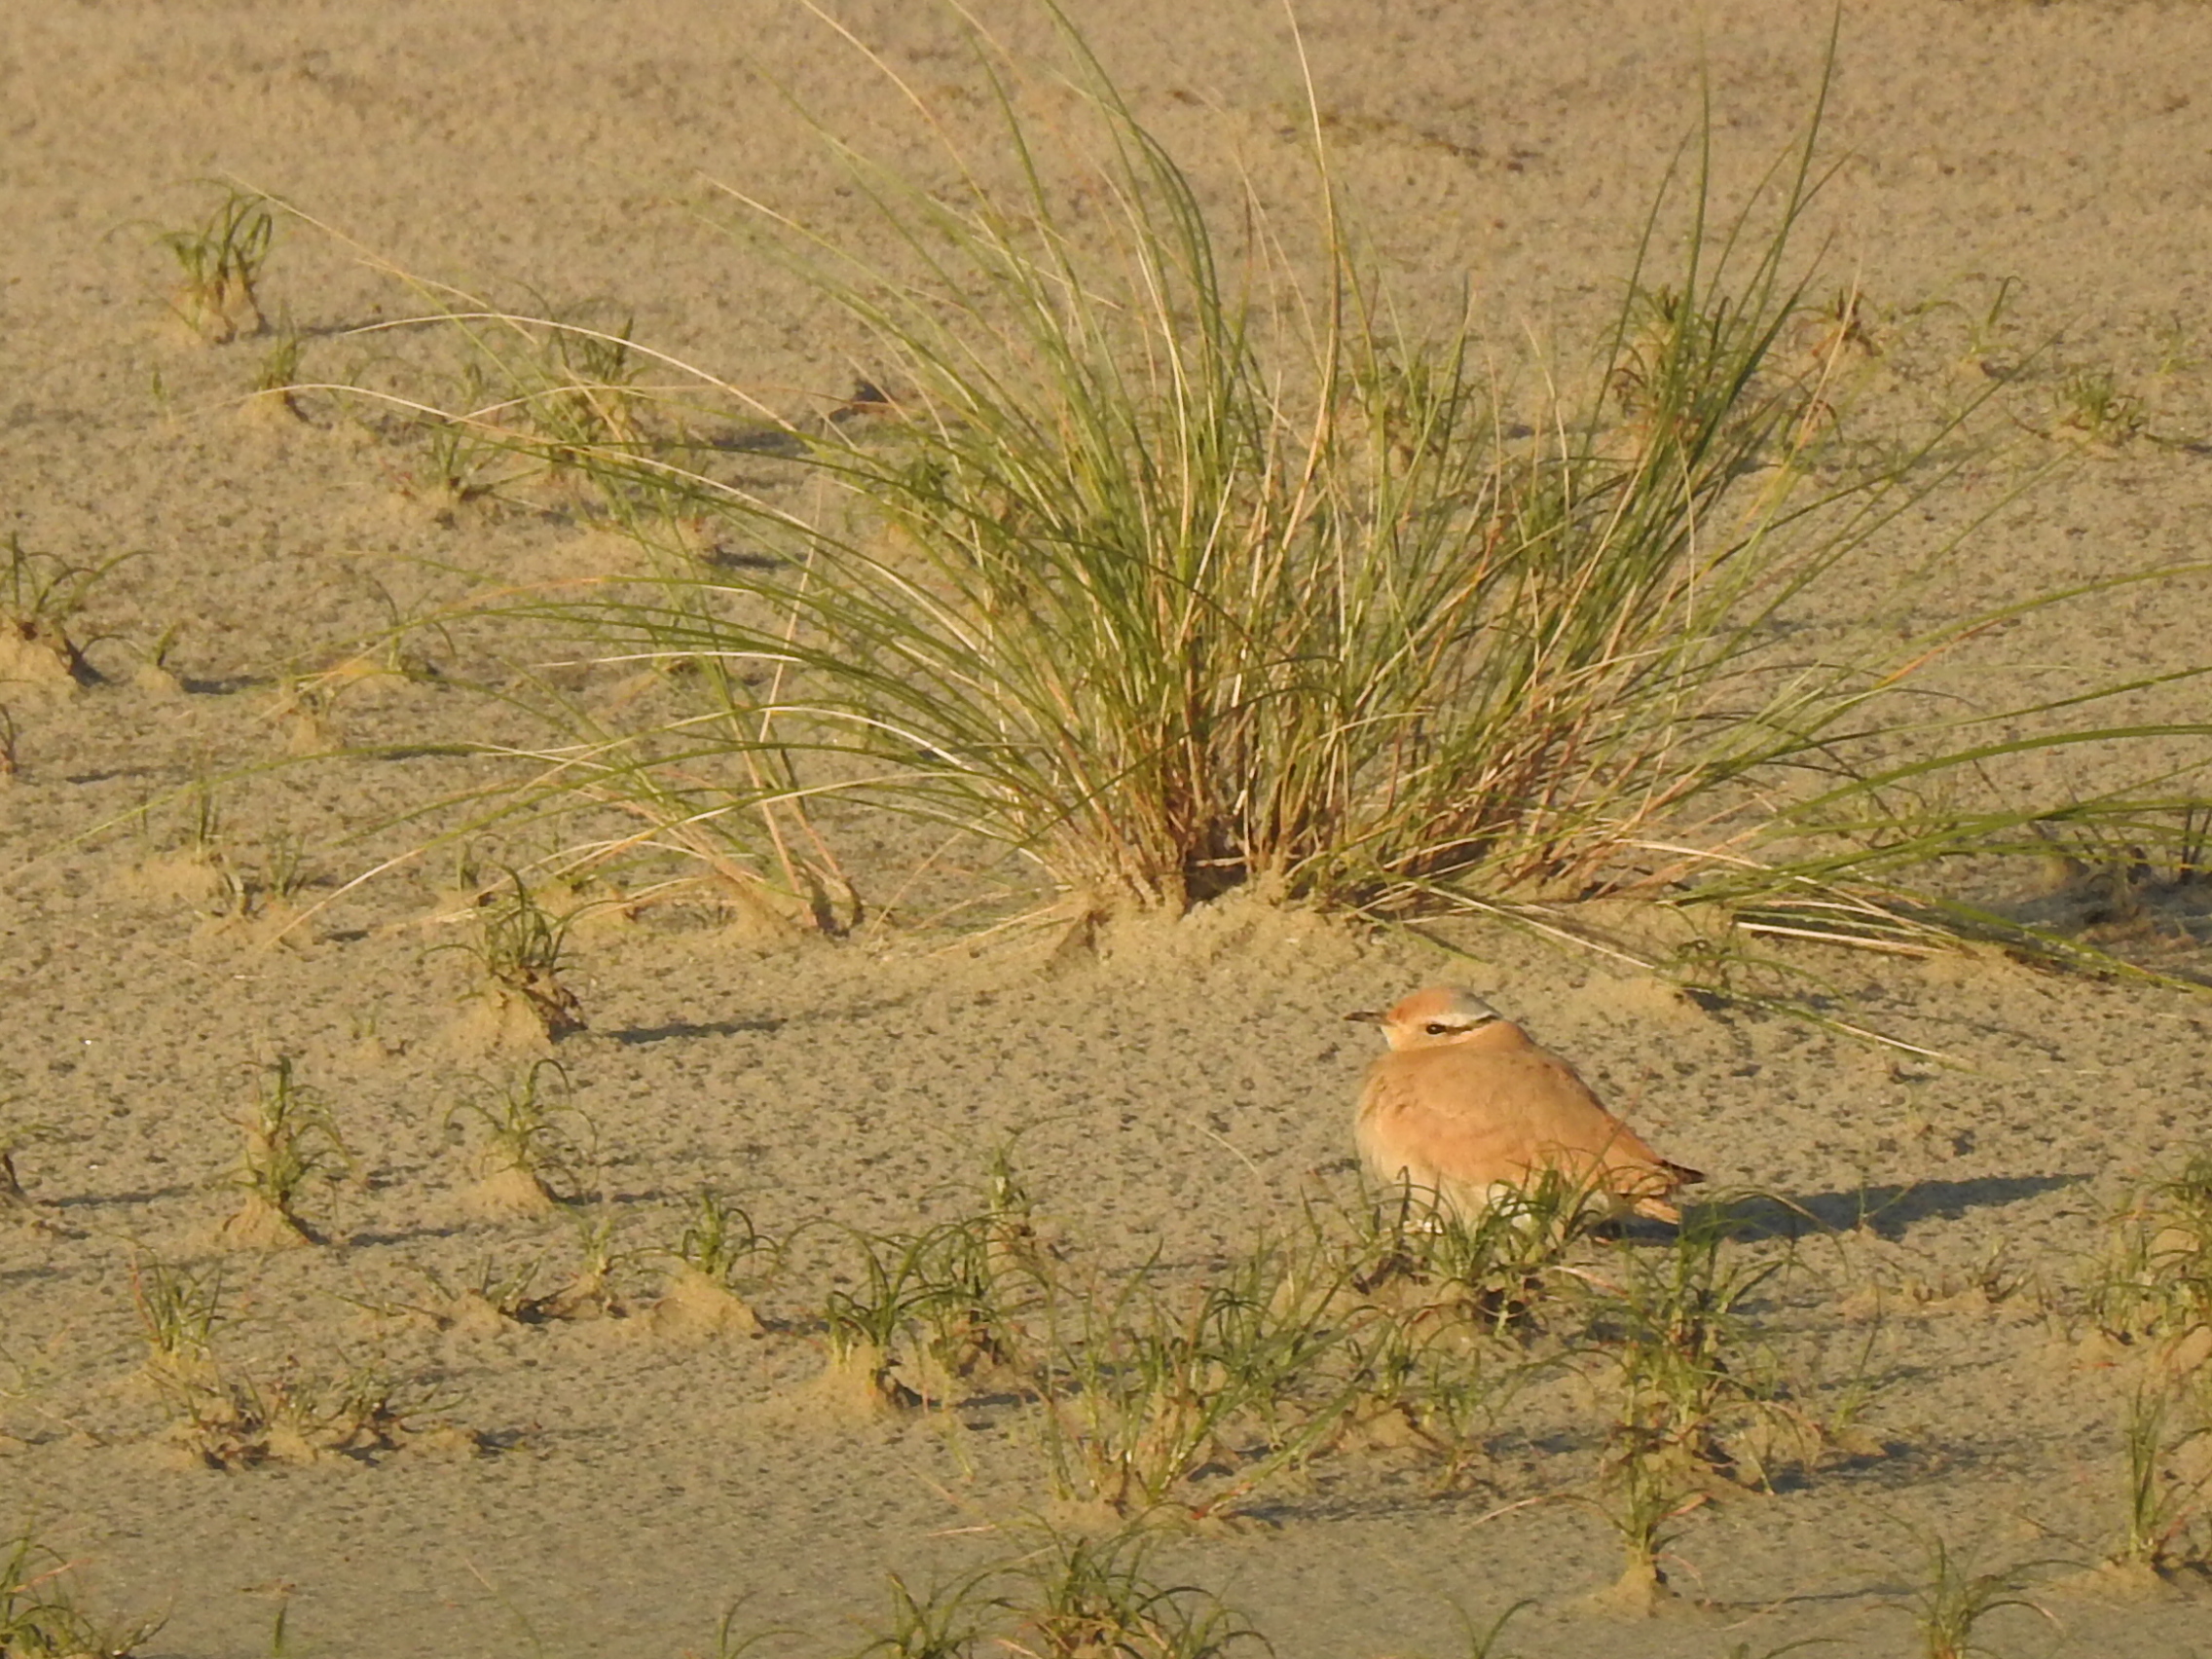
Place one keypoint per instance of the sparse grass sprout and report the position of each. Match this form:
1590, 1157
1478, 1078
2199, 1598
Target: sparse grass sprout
220, 260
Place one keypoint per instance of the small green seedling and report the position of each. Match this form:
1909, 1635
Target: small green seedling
1955, 1599
867, 1324
292, 1144
41, 598
280, 370
590, 1291
535, 1144
521, 949
1081, 1597
467, 454
721, 1242
2091, 405
945, 1621
178, 1313
220, 260
719, 1257
2163, 1506
41, 1617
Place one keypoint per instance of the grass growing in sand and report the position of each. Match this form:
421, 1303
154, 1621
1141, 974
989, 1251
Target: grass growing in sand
41, 1615
1168, 569
40, 601
520, 950
292, 1147
1156, 1395
721, 1243
941, 1300
1693, 1400
2166, 1504
229, 1418
534, 1145
220, 261
1144, 1387
2150, 1291
719, 1257
2155, 1282
1955, 1598
1062, 1597
179, 1310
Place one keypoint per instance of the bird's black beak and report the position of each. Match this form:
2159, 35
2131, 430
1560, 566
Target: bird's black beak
1368, 1017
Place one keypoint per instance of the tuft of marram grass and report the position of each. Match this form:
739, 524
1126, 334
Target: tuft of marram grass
1168, 569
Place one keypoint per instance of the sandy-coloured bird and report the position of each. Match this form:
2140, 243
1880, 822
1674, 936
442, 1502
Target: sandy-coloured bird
1465, 1106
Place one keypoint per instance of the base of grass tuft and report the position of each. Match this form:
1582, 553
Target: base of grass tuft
257, 1223
694, 1308
509, 1194
855, 1385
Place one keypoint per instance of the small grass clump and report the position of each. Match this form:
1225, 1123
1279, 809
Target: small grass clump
279, 373
1081, 1596
534, 1145
591, 1291
228, 1418
224, 1416
719, 1257
1146, 1388
2154, 1284
40, 601
1065, 1596
178, 1312
1404, 1246
220, 262
928, 1308
2090, 405
41, 1614
2165, 1496
1697, 1405
292, 1147
521, 950
1948, 1608
489, 1296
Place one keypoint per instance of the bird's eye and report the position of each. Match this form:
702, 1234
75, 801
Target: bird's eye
1437, 1028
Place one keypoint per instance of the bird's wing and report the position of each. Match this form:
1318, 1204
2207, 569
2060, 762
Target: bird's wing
1537, 1112
1447, 1116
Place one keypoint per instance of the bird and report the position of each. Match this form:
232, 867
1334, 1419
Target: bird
1466, 1106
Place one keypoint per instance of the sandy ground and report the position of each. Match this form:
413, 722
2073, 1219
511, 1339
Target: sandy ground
608, 1486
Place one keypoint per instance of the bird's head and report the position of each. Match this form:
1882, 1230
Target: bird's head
1430, 1018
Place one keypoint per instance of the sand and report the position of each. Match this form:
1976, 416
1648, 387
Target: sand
594, 1475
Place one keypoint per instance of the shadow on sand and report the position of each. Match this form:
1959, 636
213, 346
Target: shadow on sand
1885, 1211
